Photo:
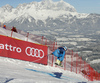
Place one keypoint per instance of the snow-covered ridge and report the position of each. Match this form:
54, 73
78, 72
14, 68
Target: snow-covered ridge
38, 10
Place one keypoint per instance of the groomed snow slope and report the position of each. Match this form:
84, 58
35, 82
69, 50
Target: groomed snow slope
17, 71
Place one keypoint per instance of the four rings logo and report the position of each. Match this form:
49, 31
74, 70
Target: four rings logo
34, 52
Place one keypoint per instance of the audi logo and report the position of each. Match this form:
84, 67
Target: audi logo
34, 52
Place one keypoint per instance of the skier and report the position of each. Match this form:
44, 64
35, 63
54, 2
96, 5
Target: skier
60, 53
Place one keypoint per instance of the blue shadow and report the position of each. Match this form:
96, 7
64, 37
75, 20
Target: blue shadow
55, 74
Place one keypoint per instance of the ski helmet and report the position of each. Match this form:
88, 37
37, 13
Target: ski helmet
4, 26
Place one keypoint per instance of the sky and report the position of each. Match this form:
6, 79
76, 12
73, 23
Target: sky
81, 6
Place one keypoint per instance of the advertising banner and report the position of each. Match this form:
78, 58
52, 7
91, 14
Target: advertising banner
23, 50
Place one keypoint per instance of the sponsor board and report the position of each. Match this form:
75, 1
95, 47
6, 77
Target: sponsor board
23, 50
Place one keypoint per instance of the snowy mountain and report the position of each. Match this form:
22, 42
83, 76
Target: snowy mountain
38, 10
41, 14
48, 15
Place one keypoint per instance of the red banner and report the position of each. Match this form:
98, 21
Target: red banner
23, 50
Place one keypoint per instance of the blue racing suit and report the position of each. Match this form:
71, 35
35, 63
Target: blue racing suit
59, 53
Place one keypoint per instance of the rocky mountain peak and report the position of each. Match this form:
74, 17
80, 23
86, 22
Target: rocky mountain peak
7, 7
